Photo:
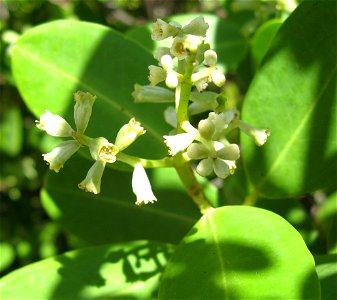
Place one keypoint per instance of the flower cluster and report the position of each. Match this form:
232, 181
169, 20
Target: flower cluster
191, 62
101, 150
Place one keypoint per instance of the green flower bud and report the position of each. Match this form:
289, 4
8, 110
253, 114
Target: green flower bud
128, 134
83, 109
197, 151
54, 125
229, 152
221, 169
170, 116
206, 129
162, 30
198, 26
205, 167
152, 94
92, 182
60, 154
141, 186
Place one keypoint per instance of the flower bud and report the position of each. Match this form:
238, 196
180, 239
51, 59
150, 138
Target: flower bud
83, 109
178, 142
197, 151
205, 167
167, 62
54, 125
192, 43
218, 78
170, 116
229, 152
157, 74
141, 186
128, 134
198, 26
206, 129
152, 94
221, 169
172, 80
60, 154
162, 30
210, 57
92, 182
101, 149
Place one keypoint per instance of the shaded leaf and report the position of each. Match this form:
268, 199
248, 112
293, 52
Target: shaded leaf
121, 271
241, 252
326, 266
294, 95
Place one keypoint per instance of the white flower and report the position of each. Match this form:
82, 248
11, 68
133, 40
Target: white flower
167, 62
92, 182
54, 125
60, 154
141, 186
83, 109
101, 149
128, 134
201, 84
179, 142
198, 26
260, 136
160, 52
178, 48
162, 30
157, 74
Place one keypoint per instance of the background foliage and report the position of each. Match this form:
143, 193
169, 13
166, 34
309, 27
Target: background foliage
282, 75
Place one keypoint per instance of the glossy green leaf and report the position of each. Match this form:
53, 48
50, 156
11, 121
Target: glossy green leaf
224, 37
326, 266
241, 252
294, 95
112, 215
54, 60
262, 40
124, 271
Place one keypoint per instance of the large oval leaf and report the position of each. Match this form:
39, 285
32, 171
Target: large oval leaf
125, 271
241, 252
294, 95
52, 61
112, 215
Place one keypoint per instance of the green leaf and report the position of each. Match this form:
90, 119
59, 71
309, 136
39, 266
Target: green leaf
124, 271
327, 219
224, 37
241, 252
294, 95
326, 266
7, 255
54, 60
263, 38
112, 215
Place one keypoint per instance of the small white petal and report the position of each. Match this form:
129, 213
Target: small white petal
128, 134
178, 142
198, 26
83, 109
157, 74
141, 186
